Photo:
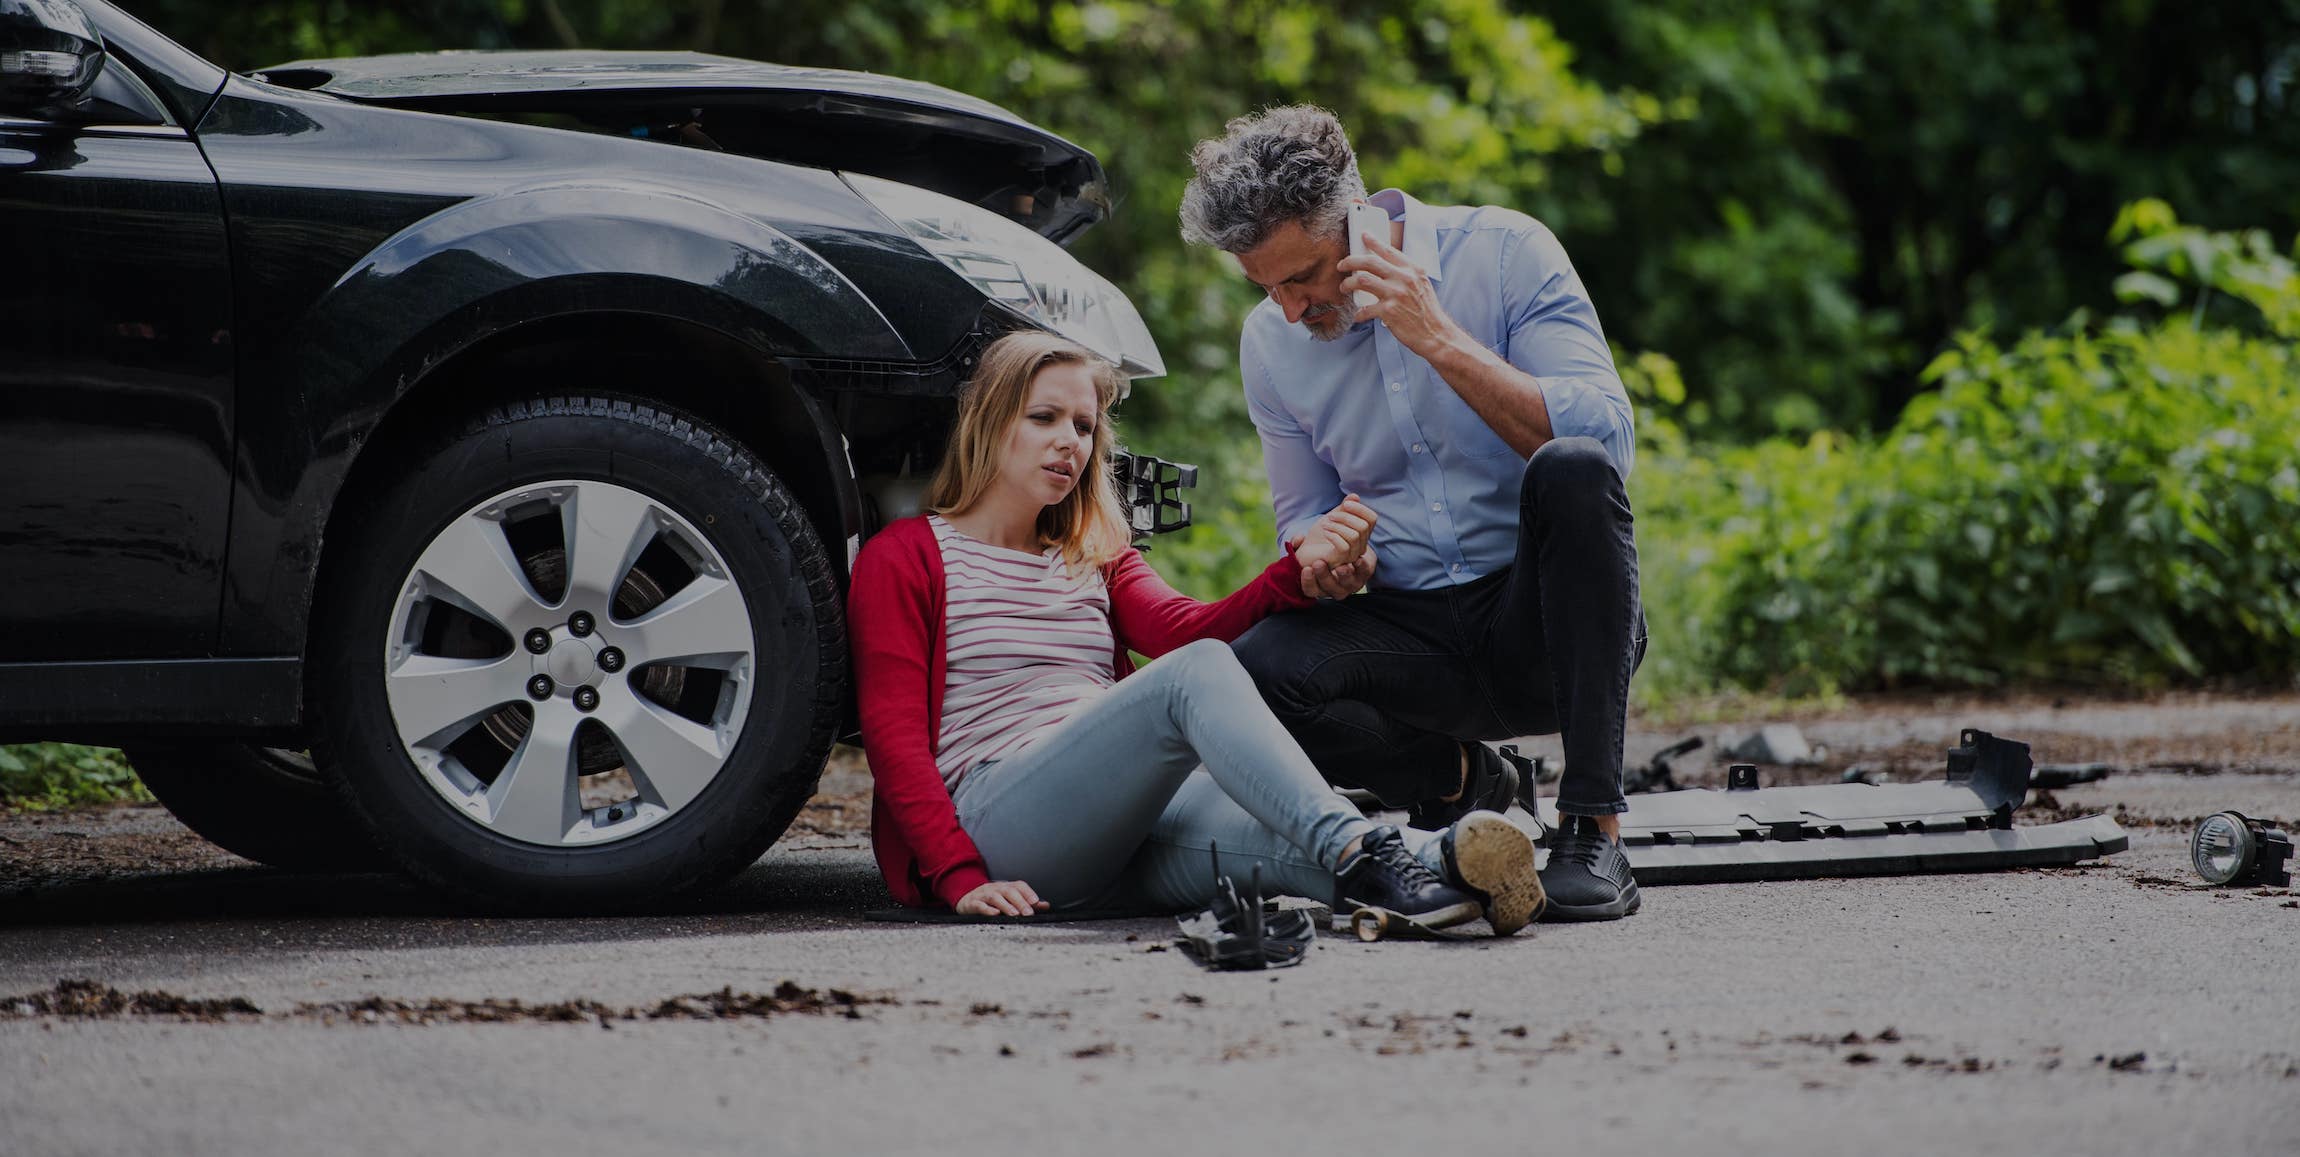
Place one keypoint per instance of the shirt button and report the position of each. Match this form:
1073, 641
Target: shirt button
1457, 568
1417, 447
1437, 506
1394, 387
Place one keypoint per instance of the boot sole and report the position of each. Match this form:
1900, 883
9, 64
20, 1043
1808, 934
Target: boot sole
1627, 904
1494, 857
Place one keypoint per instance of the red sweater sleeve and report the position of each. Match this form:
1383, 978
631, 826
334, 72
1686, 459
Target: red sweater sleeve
890, 623
1152, 618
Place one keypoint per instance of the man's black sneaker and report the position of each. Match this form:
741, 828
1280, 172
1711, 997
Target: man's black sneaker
1492, 859
1387, 876
1492, 786
1587, 877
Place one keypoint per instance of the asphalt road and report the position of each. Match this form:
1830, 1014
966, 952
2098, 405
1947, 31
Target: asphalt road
2115, 1008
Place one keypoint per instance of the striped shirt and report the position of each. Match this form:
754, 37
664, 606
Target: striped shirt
1026, 644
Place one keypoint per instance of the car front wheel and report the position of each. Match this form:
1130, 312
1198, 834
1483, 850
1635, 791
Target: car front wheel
267, 804
584, 654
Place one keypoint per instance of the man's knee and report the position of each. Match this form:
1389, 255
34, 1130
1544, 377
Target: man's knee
1273, 661
1570, 470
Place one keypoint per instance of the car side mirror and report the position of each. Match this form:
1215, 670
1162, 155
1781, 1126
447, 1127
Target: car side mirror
50, 57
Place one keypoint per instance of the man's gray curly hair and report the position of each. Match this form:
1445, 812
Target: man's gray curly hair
1282, 164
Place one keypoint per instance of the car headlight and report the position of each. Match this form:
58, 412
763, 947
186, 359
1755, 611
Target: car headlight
2233, 848
1022, 271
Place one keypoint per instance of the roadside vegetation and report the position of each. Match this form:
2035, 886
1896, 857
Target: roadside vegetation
1932, 392
45, 776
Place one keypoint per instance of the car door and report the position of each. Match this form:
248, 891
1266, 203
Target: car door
115, 383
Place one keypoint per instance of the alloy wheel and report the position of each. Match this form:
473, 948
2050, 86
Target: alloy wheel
569, 663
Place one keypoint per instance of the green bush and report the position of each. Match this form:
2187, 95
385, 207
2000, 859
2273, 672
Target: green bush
38, 776
2102, 504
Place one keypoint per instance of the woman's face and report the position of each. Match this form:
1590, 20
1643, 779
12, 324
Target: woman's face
1050, 443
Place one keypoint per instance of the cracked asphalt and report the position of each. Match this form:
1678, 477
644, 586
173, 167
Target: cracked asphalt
2118, 1007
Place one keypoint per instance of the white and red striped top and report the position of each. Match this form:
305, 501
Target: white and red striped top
1027, 644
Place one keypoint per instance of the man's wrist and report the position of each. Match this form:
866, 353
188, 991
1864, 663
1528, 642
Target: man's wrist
1456, 354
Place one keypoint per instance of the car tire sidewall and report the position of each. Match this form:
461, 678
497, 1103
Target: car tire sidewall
716, 488
245, 799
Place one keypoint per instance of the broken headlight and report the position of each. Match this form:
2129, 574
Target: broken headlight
2233, 848
1020, 270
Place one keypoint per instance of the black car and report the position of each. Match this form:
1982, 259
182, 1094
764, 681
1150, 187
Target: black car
453, 461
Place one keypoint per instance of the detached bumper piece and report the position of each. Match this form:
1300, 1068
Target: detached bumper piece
1246, 933
1151, 489
1962, 823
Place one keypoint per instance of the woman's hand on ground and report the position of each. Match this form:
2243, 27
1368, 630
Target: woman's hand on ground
1335, 553
1001, 898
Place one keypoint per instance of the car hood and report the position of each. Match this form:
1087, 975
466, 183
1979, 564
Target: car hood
903, 130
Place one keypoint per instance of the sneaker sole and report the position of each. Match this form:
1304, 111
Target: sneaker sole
1495, 859
1627, 905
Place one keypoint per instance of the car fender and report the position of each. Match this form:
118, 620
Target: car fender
485, 267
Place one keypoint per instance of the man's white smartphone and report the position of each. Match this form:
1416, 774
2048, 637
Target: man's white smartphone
1364, 219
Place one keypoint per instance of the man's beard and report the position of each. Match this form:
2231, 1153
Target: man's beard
1330, 322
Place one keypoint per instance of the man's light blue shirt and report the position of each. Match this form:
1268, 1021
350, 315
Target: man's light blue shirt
1363, 415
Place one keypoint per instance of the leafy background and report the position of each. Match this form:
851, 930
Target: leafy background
1934, 385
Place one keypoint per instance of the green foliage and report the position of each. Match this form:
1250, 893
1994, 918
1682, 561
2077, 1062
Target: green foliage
2110, 504
1853, 184
39, 776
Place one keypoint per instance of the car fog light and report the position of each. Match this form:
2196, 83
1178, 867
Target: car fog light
2232, 848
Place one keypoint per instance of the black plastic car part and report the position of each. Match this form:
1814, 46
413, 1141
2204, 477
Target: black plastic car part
1961, 823
1151, 489
1246, 933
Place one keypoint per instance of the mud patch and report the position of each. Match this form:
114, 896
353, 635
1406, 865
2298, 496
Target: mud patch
90, 1000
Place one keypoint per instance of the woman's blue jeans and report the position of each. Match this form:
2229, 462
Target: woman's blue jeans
1119, 806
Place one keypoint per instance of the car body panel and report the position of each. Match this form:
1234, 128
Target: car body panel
901, 129
357, 277
115, 394
1962, 822
182, 80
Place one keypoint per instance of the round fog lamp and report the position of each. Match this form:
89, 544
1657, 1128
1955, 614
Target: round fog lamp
2223, 848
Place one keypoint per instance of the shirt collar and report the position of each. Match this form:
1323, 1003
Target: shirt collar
1421, 246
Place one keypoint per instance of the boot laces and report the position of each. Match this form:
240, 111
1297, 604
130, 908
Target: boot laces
1580, 844
1390, 852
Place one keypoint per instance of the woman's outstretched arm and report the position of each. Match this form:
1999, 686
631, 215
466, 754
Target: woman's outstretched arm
1150, 617
1153, 618
888, 625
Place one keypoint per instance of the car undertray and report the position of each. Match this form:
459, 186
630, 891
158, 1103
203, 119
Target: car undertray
1961, 823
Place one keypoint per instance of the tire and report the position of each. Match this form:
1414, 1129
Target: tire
266, 804
451, 658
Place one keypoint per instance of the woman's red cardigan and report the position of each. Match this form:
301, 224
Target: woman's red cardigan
895, 623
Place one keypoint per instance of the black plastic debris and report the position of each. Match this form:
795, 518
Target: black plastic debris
1151, 489
1959, 823
1657, 774
2052, 776
1246, 933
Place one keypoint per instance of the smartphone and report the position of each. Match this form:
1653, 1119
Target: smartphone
1364, 219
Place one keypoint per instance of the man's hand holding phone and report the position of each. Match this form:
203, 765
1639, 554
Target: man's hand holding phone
1392, 290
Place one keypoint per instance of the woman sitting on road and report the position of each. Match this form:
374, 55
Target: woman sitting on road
1016, 771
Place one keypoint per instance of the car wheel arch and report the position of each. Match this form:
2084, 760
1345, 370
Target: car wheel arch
690, 368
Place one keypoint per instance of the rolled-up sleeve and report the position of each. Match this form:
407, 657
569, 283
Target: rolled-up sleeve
1554, 336
1302, 485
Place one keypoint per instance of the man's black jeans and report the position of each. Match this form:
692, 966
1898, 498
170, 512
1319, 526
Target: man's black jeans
1382, 687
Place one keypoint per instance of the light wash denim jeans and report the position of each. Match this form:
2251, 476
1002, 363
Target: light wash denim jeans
1113, 810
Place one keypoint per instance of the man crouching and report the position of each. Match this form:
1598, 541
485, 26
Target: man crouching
1474, 405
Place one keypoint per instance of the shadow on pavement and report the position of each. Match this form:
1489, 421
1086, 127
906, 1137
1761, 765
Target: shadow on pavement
279, 910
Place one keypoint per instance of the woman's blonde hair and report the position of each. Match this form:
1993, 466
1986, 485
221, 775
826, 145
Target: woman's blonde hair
1088, 525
